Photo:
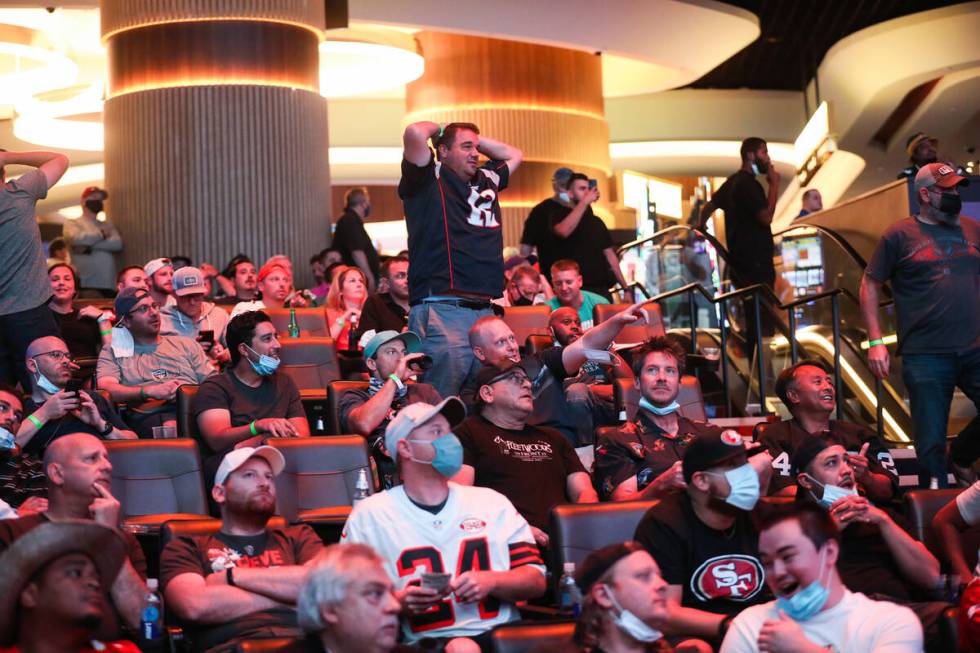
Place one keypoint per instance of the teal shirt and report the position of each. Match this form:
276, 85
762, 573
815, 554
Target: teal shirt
589, 301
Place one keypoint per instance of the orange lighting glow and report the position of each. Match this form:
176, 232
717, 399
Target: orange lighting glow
232, 80
420, 114
214, 19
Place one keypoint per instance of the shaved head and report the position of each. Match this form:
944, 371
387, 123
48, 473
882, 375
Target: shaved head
560, 314
61, 449
41, 345
478, 332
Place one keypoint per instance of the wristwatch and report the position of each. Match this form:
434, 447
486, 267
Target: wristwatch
107, 430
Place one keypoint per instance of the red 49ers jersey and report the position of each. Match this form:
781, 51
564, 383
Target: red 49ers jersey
477, 530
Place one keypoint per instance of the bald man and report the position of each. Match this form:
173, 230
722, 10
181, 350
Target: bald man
78, 475
51, 411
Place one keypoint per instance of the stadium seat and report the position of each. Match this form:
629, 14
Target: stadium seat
157, 480
579, 529
335, 391
527, 320
186, 422
272, 645
632, 334
920, 508
312, 322
311, 363
627, 397
526, 637
535, 343
317, 484
171, 529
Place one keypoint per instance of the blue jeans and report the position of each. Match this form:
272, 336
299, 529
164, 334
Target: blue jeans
930, 380
444, 330
17, 332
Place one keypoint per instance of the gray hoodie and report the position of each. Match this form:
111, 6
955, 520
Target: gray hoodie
213, 318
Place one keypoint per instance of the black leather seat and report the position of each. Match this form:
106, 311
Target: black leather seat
527, 320
312, 322
186, 422
526, 637
311, 363
579, 529
335, 391
171, 529
627, 398
157, 480
273, 645
921, 507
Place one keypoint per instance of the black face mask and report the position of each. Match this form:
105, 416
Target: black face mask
95, 206
522, 301
950, 204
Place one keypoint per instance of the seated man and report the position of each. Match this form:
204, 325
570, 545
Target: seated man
389, 357
249, 401
194, 318
566, 327
523, 287
22, 485
275, 282
131, 277
428, 525
814, 610
569, 411
54, 580
533, 466
159, 274
387, 309
704, 538
144, 369
566, 279
877, 554
363, 616
53, 411
642, 458
807, 391
954, 518
79, 475
240, 275
241, 582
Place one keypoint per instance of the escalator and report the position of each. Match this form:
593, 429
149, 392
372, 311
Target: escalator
684, 270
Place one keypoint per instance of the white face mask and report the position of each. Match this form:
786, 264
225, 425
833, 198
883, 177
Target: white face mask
632, 625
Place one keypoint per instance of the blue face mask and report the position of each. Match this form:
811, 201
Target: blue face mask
658, 410
7, 440
831, 493
45, 384
449, 454
266, 366
744, 484
563, 196
809, 601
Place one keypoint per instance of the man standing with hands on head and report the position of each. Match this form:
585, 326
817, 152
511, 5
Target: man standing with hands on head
24, 284
933, 263
455, 242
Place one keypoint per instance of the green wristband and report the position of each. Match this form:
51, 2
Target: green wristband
251, 428
35, 421
107, 332
873, 343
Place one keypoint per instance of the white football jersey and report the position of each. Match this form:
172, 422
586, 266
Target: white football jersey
477, 530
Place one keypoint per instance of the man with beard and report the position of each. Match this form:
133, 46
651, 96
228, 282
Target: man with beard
240, 276
387, 309
79, 476
241, 582
933, 263
53, 582
159, 280
922, 150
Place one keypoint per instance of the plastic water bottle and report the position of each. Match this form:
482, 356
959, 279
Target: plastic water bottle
362, 488
293, 325
151, 618
570, 598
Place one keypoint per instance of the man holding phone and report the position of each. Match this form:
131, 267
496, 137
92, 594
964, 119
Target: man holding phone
194, 318
392, 359
58, 406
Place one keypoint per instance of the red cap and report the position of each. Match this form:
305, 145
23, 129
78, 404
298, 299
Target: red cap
938, 174
92, 190
268, 269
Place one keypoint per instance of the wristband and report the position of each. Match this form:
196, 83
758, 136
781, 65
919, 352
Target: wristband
229, 577
35, 421
106, 332
873, 343
251, 428
398, 382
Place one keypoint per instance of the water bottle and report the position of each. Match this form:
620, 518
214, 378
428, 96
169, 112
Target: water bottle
293, 325
362, 488
151, 618
570, 598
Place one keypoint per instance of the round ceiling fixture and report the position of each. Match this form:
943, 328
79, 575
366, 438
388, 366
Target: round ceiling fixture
358, 61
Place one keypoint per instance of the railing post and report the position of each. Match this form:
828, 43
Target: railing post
879, 408
838, 390
756, 299
692, 311
791, 316
724, 355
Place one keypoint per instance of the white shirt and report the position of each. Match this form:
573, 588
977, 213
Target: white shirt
6, 512
245, 307
855, 625
968, 502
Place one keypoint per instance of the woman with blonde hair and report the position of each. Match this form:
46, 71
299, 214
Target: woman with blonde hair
346, 297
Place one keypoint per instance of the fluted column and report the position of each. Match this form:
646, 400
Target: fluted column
547, 101
216, 135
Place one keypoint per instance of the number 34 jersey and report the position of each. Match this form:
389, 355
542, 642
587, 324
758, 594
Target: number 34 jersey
477, 529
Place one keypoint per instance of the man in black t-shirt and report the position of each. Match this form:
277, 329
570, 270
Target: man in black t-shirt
389, 357
642, 458
807, 391
705, 539
494, 344
537, 233
241, 582
387, 310
249, 401
352, 240
455, 243
535, 467
933, 263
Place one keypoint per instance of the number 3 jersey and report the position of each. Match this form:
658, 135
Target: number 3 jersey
454, 232
477, 529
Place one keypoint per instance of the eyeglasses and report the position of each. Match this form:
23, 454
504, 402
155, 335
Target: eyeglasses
515, 379
145, 307
58, 355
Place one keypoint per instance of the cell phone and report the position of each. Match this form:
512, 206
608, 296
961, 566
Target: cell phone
593, 183
74, 386
437, 582
206, 336
424, 362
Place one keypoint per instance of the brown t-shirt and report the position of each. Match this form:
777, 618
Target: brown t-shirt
207, 554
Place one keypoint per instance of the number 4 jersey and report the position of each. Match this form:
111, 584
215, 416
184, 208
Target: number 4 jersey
477, 529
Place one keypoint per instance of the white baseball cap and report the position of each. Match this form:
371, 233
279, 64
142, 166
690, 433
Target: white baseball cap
415, 415
238, 457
